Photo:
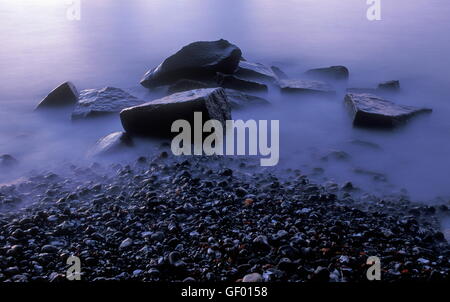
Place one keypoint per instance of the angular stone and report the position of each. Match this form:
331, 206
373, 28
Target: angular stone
233, 82
329, 73
98, 102
255, 71
372, 111
111, 143
198, 60
64, 95
239, 100
185, 85
155, 118
305, 87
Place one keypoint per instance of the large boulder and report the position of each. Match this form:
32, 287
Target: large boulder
234, 82
198, 60
64, 95
305, 87
239, 100
329, 73
111, 144
155, 118
99, 102
369, 110
255, 71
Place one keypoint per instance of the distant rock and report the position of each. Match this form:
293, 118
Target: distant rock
281, 75
234, 82
255, 71
98, 102
389, 86
111, 143
8, 161
239, 100
329, 73
64, 95
372, 111
185, 85
306, 87
155, 118
198, 60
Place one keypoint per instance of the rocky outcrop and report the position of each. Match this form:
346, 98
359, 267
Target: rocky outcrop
255, 71
305, 87
239, 100
185, 85
110, 144
372, 111
64, 95
99, 102
198, 60
233, 82
155, 118
329, 73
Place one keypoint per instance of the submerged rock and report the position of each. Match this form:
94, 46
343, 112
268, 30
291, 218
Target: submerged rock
155, 118
197, 60
98, 102
306, 87
111, 143
64, 95
389, 86
372, 111
330, 73
255, 71
8, 161
238, 99
233, 82
185, 85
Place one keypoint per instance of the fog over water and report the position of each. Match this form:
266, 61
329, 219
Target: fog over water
117, 41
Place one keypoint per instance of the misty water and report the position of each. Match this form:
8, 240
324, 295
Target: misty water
117, 41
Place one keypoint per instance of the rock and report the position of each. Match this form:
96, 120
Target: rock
49, 249
8, 161
329, 73
306, 87
239, 100
64, 95
198, 60
372, 111
155, 118
281, 75
255, 71
185, 85
389, 86
98, 102
125, 244
255, 277
111, 143
233, 82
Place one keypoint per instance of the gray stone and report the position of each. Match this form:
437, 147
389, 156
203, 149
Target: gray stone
255, 277
329, 73
155, 118
389, 86
239, 100
369, 110
255, 71
99, 102
237, 83
305, 87
64, 95
198, 60
111, 143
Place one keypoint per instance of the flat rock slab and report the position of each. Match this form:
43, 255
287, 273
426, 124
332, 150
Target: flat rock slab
198, 60
237, 83
369, 110
239, 100
305, 87
155, 118
98, 102
255, 71
329, 73
110, 144
64, 95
